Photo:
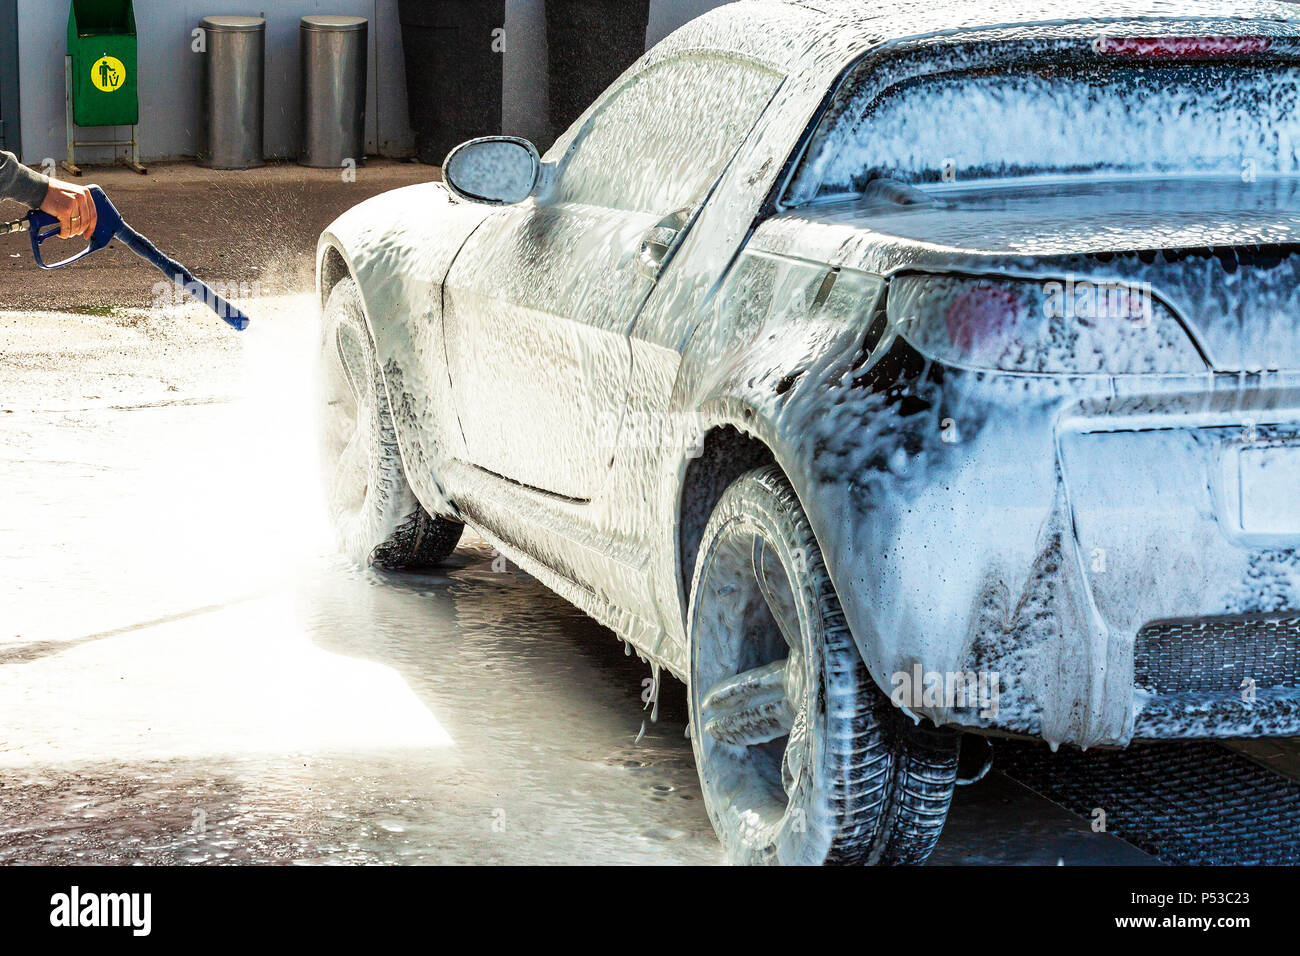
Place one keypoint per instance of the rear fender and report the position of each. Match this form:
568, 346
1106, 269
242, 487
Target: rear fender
783, 337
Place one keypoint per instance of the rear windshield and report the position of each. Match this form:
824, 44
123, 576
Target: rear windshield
1237, 119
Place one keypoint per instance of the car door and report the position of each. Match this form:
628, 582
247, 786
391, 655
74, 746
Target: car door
540, 302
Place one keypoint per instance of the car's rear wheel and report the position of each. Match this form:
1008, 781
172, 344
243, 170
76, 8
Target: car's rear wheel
375, 515
802, 759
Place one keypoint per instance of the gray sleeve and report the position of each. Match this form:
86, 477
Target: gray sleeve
18, 182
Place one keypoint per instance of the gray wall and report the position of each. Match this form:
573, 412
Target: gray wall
169, 74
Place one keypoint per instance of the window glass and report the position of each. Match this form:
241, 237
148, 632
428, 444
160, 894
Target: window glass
660, 141
1216, 118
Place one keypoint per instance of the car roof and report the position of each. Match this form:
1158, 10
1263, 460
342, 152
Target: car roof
789, 34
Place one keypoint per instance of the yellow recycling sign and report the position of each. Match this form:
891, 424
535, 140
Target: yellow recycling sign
108, 74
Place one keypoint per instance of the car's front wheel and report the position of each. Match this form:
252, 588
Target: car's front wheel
802, 759
375, 515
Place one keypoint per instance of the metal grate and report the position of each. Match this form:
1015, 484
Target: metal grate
1214, 655
1193, 804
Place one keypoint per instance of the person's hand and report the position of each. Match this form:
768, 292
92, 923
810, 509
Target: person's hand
73, 207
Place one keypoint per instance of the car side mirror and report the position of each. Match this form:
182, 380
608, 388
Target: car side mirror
493, 170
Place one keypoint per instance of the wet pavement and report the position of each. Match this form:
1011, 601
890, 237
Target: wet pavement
188, 674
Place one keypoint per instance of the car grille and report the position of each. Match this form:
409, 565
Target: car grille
1214, 655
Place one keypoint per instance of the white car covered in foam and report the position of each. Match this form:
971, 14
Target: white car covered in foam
884, 373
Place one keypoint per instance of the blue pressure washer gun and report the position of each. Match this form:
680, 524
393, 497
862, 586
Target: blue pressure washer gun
109, 226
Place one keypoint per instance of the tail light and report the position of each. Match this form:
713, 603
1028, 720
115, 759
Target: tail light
981, 314
1056, 326
1181, 48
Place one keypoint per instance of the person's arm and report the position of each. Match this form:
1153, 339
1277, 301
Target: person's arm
71, 205
21, 183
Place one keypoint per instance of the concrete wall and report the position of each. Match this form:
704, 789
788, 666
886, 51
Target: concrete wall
169, 74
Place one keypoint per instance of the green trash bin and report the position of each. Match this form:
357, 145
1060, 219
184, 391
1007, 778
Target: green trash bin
102, 45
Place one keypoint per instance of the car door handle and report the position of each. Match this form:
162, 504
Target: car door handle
656, 246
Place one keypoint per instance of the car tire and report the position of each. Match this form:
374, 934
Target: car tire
802, 758
376, 517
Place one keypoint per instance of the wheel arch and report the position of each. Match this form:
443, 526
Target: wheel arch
735, 439
727, 452
731, 448
331, 268
333, 265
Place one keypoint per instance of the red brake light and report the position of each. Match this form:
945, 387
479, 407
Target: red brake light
1180, 48
982, 313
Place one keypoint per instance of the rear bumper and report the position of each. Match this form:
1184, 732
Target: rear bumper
1026, 535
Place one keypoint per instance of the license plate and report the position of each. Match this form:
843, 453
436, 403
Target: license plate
1270, 489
